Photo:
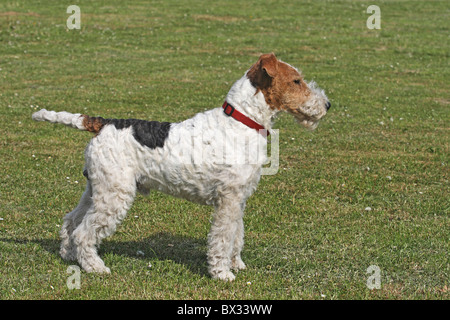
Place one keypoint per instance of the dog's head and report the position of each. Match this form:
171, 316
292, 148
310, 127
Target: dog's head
285, 90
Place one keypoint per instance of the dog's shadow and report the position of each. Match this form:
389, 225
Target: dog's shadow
187, 251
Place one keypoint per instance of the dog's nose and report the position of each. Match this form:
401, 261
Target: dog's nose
328, 105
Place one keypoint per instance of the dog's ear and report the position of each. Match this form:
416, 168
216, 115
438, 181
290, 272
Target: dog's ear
269, 64
262, 72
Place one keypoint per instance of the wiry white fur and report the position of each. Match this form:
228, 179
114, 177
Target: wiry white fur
242, 96
310, 113
316, 98
196, 163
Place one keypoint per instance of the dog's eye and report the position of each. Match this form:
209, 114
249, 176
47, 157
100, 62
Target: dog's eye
297, 81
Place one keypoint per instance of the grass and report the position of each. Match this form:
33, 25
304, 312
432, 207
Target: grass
309, 231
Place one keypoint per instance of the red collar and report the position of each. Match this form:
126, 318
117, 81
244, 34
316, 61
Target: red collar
230, 111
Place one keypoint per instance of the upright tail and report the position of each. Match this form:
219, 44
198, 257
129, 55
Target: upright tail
74, 120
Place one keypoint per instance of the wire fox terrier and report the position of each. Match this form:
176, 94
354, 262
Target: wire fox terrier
222, 169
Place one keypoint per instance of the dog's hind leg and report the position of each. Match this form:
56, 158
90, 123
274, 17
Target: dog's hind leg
111, 201
71, 221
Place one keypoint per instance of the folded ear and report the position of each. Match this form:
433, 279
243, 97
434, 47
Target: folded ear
262, 72
269, 64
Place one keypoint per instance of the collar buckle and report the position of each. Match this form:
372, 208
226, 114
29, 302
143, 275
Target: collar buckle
227, 107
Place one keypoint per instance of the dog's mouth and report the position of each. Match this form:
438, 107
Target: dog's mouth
306, 121
309, 120
308, 112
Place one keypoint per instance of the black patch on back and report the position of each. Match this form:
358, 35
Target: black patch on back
151, 134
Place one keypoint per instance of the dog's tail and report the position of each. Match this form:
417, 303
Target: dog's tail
74, 120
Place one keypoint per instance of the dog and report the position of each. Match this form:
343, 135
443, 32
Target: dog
128, 156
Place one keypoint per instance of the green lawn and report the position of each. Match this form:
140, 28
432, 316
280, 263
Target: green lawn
368, 187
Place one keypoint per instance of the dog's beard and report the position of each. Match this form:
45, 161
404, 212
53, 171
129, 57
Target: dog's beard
306, 122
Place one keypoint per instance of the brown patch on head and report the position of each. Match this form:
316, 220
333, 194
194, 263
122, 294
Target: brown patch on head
282, 85
93, 124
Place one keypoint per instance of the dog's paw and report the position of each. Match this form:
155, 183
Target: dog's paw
224, 275
100, 270
96, 267
237, 264
227, 276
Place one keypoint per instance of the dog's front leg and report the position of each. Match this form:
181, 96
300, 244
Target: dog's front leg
221, 239
236, 261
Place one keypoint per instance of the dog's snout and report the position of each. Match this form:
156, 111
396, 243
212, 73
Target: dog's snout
328, 105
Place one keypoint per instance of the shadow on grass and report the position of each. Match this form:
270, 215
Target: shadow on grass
188, 251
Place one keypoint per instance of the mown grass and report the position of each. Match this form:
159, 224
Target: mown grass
309, 231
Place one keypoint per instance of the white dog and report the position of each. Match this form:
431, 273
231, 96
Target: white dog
191, 159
